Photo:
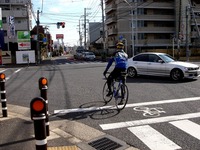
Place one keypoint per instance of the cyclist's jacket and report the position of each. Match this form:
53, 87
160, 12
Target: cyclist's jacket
120, 58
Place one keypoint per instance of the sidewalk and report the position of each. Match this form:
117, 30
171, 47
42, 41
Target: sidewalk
17, 133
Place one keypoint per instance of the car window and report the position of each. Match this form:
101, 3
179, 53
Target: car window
142, 57
153, 58
166, 58
90, 53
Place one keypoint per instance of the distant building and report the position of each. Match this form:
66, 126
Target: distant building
146, 25
95, 35
16, 16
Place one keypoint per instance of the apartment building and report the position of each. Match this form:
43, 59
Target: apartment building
150, 25
16, 16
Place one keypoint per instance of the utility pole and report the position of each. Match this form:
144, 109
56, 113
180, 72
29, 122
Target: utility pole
38, 44
187, 42
80, 36
85, 28
103, 26
132, 29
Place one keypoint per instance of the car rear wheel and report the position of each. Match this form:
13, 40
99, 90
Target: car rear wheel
132, 72
176, 74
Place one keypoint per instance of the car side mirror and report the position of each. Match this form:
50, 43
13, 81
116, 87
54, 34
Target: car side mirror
160, 61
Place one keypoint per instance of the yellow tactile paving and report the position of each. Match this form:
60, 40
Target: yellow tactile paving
63, 148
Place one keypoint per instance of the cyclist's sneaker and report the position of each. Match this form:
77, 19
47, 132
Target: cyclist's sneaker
121, 102
109, 93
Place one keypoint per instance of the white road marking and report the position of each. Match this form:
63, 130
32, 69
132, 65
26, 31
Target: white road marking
153, 139
189, 127
2, 70
7, 78
64, 111
148, 121
164, 102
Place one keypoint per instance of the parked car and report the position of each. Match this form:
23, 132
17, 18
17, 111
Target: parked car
88, 56
161, 64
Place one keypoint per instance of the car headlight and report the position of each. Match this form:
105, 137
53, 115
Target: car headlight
189, 68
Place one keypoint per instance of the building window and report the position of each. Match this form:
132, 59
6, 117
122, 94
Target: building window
4, 20
5, 32
7, 1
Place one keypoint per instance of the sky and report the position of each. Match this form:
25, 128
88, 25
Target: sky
68, 11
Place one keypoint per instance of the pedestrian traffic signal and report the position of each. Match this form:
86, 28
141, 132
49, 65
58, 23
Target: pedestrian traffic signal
62, 24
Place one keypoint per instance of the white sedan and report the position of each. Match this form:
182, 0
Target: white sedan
161, 64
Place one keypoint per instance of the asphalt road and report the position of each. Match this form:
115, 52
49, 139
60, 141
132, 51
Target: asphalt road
160, 112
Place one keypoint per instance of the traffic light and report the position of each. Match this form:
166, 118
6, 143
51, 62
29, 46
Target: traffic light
58, 25
62, 24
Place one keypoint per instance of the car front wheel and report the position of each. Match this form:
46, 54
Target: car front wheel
176, 74
132, 72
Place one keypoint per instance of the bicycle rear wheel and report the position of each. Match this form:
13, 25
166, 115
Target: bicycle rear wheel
105, 92
120, 101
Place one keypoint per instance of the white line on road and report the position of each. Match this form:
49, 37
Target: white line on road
148, 121
189, 127
164, 102
153, 139
2, 70
64, 111
7, 78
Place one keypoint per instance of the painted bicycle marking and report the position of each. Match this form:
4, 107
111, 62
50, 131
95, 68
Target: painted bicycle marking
150, 112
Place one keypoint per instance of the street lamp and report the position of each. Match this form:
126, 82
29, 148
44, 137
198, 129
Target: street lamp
132, 34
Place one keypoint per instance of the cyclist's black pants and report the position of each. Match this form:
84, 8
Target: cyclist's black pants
114, 75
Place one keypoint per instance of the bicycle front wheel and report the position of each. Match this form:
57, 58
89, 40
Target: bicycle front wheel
105, 92
122, 99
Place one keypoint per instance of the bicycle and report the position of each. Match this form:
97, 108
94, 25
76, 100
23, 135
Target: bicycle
118, 90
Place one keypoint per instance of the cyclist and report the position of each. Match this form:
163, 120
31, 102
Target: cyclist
120, 58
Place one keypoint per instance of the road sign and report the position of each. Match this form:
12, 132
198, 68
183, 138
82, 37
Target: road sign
24, 45
23, 36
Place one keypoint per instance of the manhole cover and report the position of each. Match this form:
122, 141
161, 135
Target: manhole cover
104, 144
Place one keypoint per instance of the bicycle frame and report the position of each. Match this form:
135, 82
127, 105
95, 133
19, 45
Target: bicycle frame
116, 91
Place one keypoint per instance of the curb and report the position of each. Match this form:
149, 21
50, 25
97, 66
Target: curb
78, 134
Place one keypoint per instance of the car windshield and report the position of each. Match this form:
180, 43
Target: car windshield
90, 53
166, 58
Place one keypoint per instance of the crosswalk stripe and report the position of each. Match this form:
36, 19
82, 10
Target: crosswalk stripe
153, 139
188, 126
148, 121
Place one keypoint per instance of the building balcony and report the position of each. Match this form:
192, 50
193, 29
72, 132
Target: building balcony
110, 7
15, 13
156, 17
155, 30
111, 43
112, 31
163, 5
13, 2
154, 42
21, 26
111, 20
18, 26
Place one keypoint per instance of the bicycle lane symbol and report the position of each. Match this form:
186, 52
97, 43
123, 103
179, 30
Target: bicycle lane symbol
150, 112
